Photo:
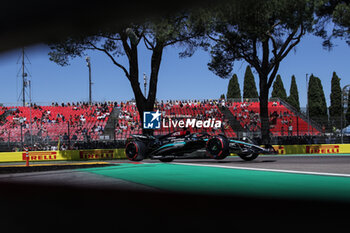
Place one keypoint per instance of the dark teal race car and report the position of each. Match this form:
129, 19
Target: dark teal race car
175, 145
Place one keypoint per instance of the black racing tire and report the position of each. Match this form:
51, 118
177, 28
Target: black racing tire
218, 147
166, 160
135, 150
248, 157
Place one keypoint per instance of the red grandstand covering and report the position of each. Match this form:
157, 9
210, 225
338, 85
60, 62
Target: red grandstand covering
51, 122
129, 118
283, 121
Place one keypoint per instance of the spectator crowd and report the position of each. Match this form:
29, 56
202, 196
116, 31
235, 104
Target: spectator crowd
79, 123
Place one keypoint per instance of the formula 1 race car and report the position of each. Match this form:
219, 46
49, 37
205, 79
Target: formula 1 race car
175, 145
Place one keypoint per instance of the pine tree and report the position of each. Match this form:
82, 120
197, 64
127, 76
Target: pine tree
222, 96
249, 88
278, 90
233, 89
347, 114
317, 101
293, 98
335, 98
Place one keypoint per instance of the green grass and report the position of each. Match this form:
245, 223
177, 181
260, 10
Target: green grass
212, 180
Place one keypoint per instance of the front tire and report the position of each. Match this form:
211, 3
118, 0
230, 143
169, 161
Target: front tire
218, 147
135, 150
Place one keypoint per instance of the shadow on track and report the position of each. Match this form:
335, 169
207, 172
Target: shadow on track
41, 168
226, 161
29, 207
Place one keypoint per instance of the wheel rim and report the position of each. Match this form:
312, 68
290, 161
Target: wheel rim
131, 150
215, 147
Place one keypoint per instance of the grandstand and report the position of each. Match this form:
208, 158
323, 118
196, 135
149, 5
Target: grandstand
129, 118
50, 122
74, 122
284, 120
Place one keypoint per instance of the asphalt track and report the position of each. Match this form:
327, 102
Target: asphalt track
304, 187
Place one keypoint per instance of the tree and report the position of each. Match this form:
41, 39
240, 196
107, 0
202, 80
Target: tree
233, 89
347, 114
293, 98
262, 33
337, 11
249, 86
335, 98
125, 40
222, 96
317, 106
278, 90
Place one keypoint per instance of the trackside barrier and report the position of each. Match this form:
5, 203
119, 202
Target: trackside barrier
313, 149
63, 155
120, 153
27, 157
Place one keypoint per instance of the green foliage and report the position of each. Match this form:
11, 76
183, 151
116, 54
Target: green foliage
317, 101
347, 114
222, 96
293, 98
119, 40
233, 89
249, 86
278, 89
240, 29
337, 11
335, 99
261, 33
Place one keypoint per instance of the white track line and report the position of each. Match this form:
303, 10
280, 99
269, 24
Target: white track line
269, 170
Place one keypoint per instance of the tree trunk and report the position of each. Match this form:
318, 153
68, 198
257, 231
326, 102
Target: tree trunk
264, 93
264, 112
142, 103
155, 65
145, 106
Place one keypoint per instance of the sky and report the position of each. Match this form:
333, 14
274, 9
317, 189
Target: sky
179, 78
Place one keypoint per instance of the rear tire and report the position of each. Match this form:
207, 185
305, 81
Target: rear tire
135, 150
218, 147
248, 157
